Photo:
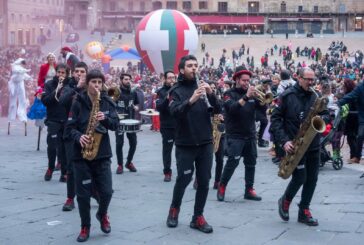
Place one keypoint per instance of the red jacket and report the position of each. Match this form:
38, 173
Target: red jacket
43, 73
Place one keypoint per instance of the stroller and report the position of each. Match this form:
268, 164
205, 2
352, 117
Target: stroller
325, 155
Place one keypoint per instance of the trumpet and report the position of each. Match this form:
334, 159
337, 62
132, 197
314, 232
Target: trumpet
59, 87
264, 98
113, 92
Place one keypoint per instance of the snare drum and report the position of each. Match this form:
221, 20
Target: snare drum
129, 126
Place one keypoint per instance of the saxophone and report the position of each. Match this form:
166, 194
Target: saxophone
216, 133
90, 151
312, 125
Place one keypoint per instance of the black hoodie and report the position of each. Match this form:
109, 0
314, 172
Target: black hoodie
193, 122
78, 120
166, 119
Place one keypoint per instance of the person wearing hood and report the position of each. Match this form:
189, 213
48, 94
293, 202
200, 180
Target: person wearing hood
98, 169
190, 103
19, 74
126, 104
240, 108
70, 58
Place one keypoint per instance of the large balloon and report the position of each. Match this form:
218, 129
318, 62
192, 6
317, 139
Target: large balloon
163, 37
95, 50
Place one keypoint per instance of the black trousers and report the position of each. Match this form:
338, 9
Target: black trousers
360, 140
55, 146
99, 172
237, 148
187, 158
70, 177
120, 143
219, 159
263, 124
353, 144
305, 175
167, 141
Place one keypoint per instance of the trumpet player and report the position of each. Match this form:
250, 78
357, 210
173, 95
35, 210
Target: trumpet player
193, 140
261, 113
240, 107
293, 107
56, 117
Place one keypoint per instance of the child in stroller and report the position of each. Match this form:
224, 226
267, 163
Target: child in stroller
332, 135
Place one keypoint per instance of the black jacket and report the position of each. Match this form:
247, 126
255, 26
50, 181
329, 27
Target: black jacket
78, 120
294, 105
128, 98
166, 119
55, 111
355, 96
193, 122
239, 120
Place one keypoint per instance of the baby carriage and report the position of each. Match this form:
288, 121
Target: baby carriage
325, 155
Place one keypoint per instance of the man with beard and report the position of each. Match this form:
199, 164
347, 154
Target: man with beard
127, 104
167, 122
240, 108
189, 105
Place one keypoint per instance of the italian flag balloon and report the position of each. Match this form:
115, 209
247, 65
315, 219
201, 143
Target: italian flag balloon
163, 37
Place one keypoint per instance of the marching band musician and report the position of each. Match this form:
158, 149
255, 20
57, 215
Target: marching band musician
190, 101
75, 85
240, 108
98, 169
126, 104
56, 117
293, 107
168, 123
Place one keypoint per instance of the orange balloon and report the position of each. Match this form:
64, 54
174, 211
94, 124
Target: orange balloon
106, 59
125, 48
95, 50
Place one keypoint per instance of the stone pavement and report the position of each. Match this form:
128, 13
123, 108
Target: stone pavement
30, 208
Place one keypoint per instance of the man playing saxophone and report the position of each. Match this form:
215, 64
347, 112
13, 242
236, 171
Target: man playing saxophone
92, 112
294, 105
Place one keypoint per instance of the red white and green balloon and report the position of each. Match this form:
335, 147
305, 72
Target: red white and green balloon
163, 37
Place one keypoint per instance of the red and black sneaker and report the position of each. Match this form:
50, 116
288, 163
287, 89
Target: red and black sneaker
250, 194
131, 167
68, 205
58, 167
48, 175
84, 234
172, 219
120, 169
104, 223
200, 224
305, 216
167, 177
283, 208
221, 192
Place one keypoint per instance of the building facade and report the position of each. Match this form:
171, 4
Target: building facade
30, 22
241, 16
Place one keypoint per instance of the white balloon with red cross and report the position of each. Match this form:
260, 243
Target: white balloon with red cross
163, 37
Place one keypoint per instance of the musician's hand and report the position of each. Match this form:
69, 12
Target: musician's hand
206, 86
288, 147
221, 117
100, 116
84, 140
197, 95
251, 92
136, 108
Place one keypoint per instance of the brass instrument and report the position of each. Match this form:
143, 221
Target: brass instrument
264, 98
89, 152
216, 132
312, 125
113, 92
59, 87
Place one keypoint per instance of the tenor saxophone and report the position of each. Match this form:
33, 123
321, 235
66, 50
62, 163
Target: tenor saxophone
312, 125
89, 152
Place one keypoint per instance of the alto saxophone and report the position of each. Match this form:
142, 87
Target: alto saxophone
312, 125
89, 152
